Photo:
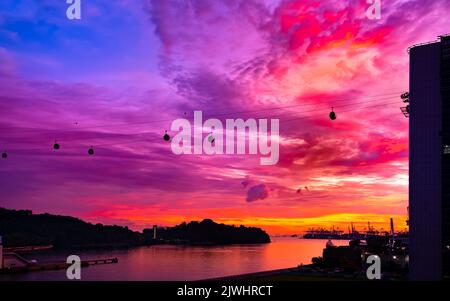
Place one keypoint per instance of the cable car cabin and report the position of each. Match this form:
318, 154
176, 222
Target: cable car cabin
90, 151
56, 146
4, 155
332, 115
166, 137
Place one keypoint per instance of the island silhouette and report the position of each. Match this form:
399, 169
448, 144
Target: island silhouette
21, 228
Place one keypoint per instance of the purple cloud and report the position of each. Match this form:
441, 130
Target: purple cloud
257, 192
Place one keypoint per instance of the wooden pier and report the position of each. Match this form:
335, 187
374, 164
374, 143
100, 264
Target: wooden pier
26, 249
29, 266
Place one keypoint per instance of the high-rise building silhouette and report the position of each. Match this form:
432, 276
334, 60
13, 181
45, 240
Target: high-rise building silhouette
429, 160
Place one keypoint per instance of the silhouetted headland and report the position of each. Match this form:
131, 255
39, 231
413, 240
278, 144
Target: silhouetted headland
23, 228
208, 232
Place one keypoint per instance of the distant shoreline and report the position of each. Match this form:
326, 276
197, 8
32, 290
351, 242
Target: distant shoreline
22, 228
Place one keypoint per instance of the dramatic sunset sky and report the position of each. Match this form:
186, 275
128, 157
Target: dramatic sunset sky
116, 78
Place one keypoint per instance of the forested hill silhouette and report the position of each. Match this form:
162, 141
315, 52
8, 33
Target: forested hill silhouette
23, 228
209, 232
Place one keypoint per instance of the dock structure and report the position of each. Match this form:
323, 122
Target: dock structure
27, 249
14, 263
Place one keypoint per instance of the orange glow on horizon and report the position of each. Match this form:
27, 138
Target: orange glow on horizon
272, 225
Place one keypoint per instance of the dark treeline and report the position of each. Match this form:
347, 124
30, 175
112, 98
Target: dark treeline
209, 232
23, 228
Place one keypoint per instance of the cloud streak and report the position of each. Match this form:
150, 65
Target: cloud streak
115, 81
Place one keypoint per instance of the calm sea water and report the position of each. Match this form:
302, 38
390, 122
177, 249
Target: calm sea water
169, 262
